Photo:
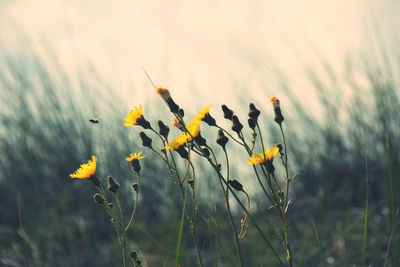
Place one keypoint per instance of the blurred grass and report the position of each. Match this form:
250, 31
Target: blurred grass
45, 135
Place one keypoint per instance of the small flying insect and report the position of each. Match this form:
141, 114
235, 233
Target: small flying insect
95, 120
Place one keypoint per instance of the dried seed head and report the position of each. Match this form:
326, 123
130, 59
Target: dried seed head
222, 139
236, 125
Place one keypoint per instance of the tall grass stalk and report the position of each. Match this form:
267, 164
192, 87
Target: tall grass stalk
364, 248
391, 200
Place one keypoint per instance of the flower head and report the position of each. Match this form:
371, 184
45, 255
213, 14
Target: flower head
277, 110
274, 101
133, 116
202, 113
177, 124
135, 156
267, 156
177, 142
86, 170
164, 93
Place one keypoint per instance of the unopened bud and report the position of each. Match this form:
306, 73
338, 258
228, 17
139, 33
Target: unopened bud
277, 110
235, 184
133, 255
200, 140
206, 152
113, 186
222, 139
182, 152
146, 141
135, 187
209, 120
236, 125
254, 112
181, 113
252, 123
99, 199
163, 129
228, 113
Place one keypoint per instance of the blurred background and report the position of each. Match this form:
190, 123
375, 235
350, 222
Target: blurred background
333, 64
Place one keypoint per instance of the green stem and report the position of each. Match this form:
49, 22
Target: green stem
235, 235
123, 230
136, 201
286, 168
178, 246
391, 200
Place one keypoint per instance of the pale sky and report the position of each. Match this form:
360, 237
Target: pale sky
211, 50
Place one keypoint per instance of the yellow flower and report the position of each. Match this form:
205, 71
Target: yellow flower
193, 128
86, 170
202, 113
177, 142
135, 156
133, 116
268, 155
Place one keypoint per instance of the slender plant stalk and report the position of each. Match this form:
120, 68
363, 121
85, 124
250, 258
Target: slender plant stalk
319, 244
136, 201
365, 217
122, 229
391, 200
228, 209
178, 246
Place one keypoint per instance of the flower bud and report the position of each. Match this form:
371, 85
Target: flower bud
228, 113
133, 255
135, 187
206, 152
252, 123
236, 185
110, 205
182, 152
200, 140
254, 112
146, 141
280, 193
113, 186
99, 199
209, 120
163, 129
277, 110
191, 183
236, 126
181, 112
173, 107
222, 139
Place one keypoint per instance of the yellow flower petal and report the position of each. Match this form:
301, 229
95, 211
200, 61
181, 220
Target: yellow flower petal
86, 170
133, 116
134, 156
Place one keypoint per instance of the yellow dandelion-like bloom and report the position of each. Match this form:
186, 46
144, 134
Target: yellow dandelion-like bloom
86, 170
135, 156
133, 116
193, 128
202, 113
179, 141
268, 155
